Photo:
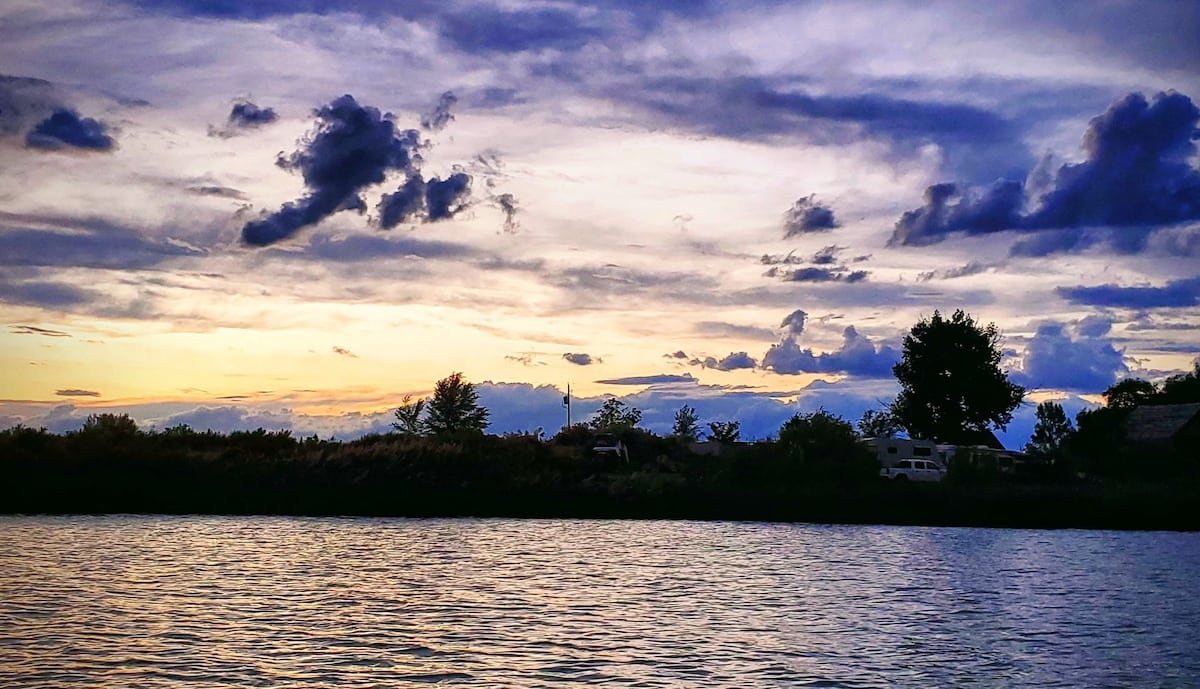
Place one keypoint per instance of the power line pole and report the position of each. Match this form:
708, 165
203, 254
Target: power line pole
567, 403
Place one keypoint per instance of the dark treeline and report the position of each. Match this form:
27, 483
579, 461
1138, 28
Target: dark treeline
815, 471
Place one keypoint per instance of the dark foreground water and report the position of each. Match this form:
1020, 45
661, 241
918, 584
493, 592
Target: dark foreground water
144, 601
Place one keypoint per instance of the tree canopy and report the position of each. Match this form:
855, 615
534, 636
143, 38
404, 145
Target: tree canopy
687, 424
950, 379
1051, 432
455, 407
614, 415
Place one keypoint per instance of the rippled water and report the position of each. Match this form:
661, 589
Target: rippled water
290, 602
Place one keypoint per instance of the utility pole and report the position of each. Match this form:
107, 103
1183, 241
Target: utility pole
567, 403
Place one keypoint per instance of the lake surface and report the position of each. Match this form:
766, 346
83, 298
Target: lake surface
150, 601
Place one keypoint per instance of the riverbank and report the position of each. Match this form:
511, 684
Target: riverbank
521, 476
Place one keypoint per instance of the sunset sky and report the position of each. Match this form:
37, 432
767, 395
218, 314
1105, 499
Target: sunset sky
291, 214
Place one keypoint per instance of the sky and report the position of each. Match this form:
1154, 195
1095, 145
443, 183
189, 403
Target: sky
290, 215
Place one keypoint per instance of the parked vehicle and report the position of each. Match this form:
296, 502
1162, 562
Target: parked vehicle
607, 443
914, 470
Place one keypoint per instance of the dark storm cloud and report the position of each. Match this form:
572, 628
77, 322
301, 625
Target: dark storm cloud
34, 330
1137, 175
66, 129
440, 116
351, 147
1056, 361
582, 359
406, 204
445, 198
857, 356
807, 216
649, 380
75, 392
1175, 294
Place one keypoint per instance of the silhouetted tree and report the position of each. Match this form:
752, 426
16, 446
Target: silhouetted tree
724, 431
455, 407
1129, 393
1183, 388
408, 416
819, 436
950, 379
1051, 432
614, 416
877, 424
687, 425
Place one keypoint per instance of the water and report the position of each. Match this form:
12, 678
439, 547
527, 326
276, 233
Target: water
153, 601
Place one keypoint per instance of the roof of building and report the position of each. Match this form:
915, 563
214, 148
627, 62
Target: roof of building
1159, 424
975, 438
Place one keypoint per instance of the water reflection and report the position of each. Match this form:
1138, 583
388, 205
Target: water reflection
281, 602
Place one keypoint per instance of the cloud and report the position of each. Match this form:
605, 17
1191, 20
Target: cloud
508, 205
1137, 175
342, 351
356, 248
1175, 294
793, 323
971, 268
440, 116
445, 198
731, 362
1094, 325
722, 329
51, 295
807, 216
857, 356
82, 242
219, 191
244, 115
75, 392
649, 380
24, 101
582, 359
34, 330
351, 147
1053, 360
814, 274
406, 204
66, 129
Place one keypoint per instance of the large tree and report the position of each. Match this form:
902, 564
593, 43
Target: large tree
1051, 432
687, 424
455, 407
614, 415
950, 379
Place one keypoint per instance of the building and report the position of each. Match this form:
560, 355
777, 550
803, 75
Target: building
1164, 427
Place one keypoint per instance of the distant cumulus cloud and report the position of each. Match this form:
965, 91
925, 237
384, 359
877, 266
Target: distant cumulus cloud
244, 115
351, 147
807, 216
793, 323
857, 356
1054, 360
342, 351
814, 274
440, 116
66, 129
1137, 176
582, 359
1095, 325
406, 204
1175, 294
